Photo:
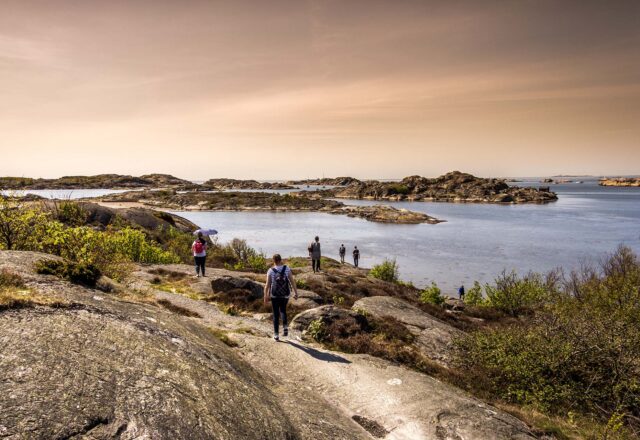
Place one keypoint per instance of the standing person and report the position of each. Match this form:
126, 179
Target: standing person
199, 249
461, 292
356, 256
278, 288
315, 254
342, 251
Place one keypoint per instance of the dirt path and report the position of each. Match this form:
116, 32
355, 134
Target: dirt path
325, 392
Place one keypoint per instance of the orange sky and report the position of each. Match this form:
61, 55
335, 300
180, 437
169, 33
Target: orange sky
293, 89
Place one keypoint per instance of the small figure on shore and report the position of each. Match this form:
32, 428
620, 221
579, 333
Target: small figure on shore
356, 256
461, 292
278, 288
343, 252
315, 254
199, 249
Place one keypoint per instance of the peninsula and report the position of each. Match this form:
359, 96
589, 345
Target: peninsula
260, 201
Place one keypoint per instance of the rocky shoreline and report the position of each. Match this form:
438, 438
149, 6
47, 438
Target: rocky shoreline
230, 184
326, 181
254, 201
620, 181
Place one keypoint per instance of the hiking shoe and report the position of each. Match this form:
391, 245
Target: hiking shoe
276, 337
285, 332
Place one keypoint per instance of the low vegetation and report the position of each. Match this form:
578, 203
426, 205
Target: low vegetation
385, 337
15, 294
386, 271
79, 273
574, 352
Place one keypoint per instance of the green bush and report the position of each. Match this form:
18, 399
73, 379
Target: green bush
473, 296
21, 227
514, 295
432, 295
70, 213
398, 188
317, 330
387, 271
579, 350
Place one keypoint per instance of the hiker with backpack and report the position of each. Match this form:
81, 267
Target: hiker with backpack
461, 292
342, 251
199, 249
315, 254
278, 288
356, 256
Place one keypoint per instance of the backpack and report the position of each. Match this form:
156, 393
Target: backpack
280, 285
198, 247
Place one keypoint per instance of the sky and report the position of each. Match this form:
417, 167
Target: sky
285, 89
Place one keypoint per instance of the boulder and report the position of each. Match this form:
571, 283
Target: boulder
454, 304
228, 283
327, 314
433, 337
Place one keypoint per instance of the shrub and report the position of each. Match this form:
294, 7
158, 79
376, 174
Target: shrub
432, 295
70, 213
398, 188
514, 295
387, 271
79, 273
474, 297
579, 351
21, 228
317, 330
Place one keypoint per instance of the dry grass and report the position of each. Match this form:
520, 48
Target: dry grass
14, 294
179, 310
223, 337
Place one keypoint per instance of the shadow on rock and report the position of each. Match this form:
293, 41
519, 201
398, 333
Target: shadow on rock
320, 355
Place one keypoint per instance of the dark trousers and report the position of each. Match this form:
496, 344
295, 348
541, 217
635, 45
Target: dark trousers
342, 258
279, 306
315, 264
200, 264
355, 261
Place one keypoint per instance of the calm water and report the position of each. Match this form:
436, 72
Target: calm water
65, 194
476, 243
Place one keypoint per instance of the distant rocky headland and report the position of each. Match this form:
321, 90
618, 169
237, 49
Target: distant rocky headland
620, 181
258, 201
100, 181
230, 184
451, 187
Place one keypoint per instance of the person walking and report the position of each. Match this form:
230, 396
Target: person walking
315, 254
280, 280
199, 249
356, 256
343, 252
461, 292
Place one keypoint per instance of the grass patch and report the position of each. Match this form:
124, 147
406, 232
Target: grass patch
14, 294
179, 310
171, 275
223, 337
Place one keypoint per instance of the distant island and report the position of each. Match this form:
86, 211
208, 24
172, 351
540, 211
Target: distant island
451, 187
100, 181
620, 181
